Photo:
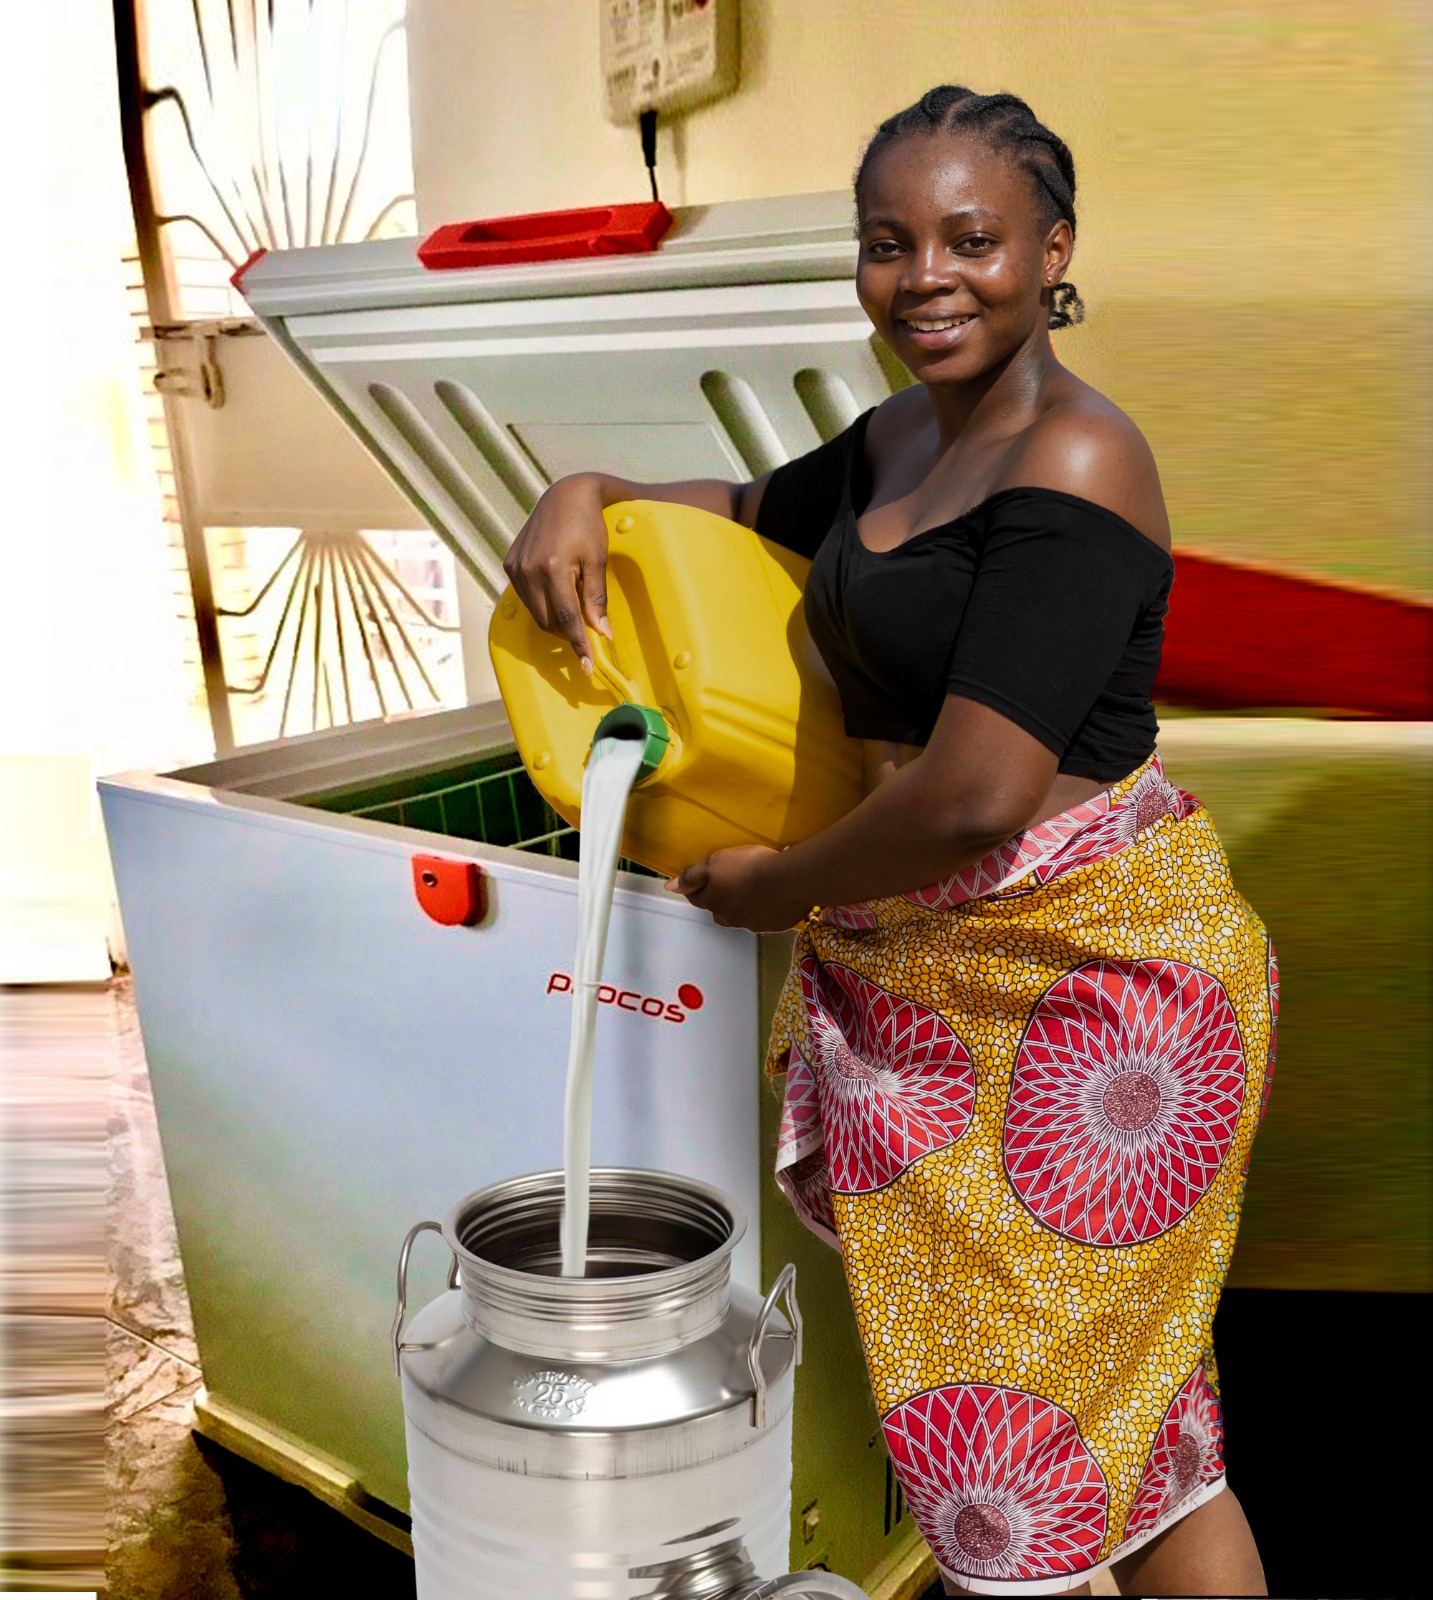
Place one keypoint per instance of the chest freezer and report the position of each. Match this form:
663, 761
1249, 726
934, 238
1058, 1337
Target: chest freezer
328, 1060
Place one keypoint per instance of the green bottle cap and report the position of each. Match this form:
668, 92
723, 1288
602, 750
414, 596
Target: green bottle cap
631, 721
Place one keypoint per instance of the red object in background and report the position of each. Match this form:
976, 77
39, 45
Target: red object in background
451, 892
1243, 636
237, 279
547, 236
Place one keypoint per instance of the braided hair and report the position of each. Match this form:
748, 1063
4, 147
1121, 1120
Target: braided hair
1006, 123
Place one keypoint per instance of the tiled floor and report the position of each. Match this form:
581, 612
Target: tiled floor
52, 1287
169, 1532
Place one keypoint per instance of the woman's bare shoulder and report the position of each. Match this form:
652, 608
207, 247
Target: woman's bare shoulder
899, 417
1087, 446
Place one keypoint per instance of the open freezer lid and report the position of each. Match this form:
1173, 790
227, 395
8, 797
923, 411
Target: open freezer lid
736, 345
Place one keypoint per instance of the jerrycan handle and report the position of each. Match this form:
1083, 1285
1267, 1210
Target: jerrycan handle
607, 672
631, 719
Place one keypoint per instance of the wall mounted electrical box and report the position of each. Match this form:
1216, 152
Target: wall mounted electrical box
667, 55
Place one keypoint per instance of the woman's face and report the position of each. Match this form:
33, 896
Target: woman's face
953, 255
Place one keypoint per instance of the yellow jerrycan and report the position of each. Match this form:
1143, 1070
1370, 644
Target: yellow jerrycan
711, 665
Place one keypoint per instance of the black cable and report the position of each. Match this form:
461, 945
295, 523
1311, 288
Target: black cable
647, 121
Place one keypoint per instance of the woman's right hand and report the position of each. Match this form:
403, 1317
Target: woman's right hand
558, 563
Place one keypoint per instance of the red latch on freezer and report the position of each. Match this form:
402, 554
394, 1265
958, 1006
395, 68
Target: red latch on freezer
451, 892
238, 277
547, 236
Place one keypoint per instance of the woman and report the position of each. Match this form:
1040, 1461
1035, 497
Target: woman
1025, 1045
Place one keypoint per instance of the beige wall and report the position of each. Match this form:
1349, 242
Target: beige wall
1252, 203
1205, 133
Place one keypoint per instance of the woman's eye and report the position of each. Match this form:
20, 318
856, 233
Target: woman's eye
977, 241
883, 247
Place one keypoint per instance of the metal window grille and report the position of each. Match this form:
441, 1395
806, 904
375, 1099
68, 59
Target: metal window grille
272, 126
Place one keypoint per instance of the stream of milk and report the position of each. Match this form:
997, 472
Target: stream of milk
612, 766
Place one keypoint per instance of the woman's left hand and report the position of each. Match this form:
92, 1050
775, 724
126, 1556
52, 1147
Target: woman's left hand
736, 887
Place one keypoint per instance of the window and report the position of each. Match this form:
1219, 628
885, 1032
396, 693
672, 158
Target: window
276, 126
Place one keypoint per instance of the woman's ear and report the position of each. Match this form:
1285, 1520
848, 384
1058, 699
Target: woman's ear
1059, 247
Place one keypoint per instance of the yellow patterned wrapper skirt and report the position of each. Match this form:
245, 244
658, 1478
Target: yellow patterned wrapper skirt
1021, 1103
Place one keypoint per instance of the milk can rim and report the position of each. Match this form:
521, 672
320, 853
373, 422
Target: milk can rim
540, 1183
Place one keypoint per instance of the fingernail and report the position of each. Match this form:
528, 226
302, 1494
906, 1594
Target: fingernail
587, 665
604, 628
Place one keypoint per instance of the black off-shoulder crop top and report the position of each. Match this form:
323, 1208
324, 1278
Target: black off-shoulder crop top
1043, 606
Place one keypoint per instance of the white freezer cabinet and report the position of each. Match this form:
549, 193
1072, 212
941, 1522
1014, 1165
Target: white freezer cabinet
330, 1064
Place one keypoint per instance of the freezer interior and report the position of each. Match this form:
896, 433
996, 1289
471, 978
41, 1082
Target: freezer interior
487, 799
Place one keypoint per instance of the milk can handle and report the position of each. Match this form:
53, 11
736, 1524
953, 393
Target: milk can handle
785, 1284
402, 1311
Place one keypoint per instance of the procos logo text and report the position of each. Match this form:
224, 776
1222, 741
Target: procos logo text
689, 999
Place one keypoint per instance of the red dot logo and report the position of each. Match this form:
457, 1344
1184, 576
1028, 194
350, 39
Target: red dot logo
690, 996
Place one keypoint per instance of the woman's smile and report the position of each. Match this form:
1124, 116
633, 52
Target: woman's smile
937, 333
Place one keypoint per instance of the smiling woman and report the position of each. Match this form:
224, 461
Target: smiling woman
1025, 1042
1007, 123
1035, 1278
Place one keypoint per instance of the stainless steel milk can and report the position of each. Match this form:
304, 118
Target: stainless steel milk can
623, 1436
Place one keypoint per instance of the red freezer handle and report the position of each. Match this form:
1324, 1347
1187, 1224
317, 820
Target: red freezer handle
547, 236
